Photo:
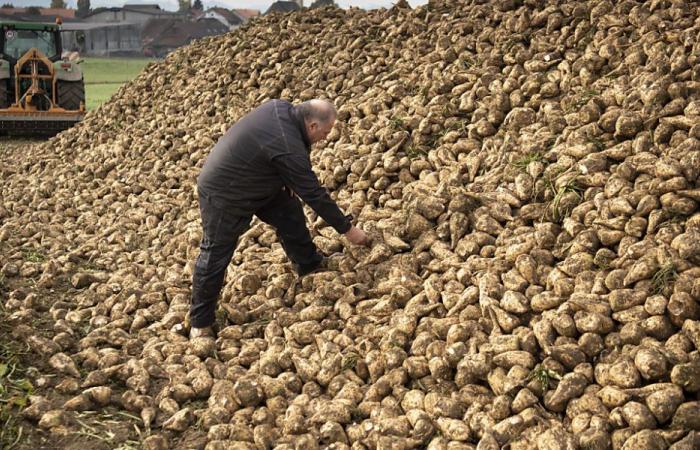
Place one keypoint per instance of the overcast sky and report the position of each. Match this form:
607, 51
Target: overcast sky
254, 4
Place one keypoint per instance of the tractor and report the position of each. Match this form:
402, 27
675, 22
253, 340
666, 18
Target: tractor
40, 94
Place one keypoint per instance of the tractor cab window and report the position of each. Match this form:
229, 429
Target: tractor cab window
18, 42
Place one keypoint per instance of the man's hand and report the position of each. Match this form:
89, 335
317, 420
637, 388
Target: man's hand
357, 236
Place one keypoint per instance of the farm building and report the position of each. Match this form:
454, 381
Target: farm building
135, 14
102, 39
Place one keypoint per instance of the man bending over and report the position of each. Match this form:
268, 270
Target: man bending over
259, 167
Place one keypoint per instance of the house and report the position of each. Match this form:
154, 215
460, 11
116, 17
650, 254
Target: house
228, 18
161, 36
136, 14
283, 7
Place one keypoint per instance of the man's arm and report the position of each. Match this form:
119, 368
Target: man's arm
295, 171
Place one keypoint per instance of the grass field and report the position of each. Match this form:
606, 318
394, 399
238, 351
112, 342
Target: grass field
103, 76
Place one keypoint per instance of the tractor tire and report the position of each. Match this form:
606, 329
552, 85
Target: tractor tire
70, 94
4, 94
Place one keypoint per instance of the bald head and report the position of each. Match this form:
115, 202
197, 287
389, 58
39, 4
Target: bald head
317, 110
319, 117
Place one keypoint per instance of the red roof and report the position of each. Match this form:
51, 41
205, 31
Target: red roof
247, 13
65, 13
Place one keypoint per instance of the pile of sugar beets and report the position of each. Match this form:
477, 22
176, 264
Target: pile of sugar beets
528, 170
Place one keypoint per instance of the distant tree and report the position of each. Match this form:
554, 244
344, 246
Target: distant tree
83, 8
33, 11
7, 5
198, 5
185, 5
58, 4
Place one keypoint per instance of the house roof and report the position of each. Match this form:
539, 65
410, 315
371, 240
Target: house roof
247, 13
154, 28
322, 3
144, 6
203, 28
231, 17
172, 33
136, 8
196, 14
84, 26
64, 13
283, 7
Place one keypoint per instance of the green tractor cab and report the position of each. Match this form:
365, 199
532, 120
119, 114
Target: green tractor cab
39, 92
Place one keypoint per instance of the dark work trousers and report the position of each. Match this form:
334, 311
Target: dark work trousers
221, 232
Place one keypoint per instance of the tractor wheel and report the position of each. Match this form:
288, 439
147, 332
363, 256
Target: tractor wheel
70, 94
4, 94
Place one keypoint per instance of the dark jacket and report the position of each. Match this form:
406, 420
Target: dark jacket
264, 151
